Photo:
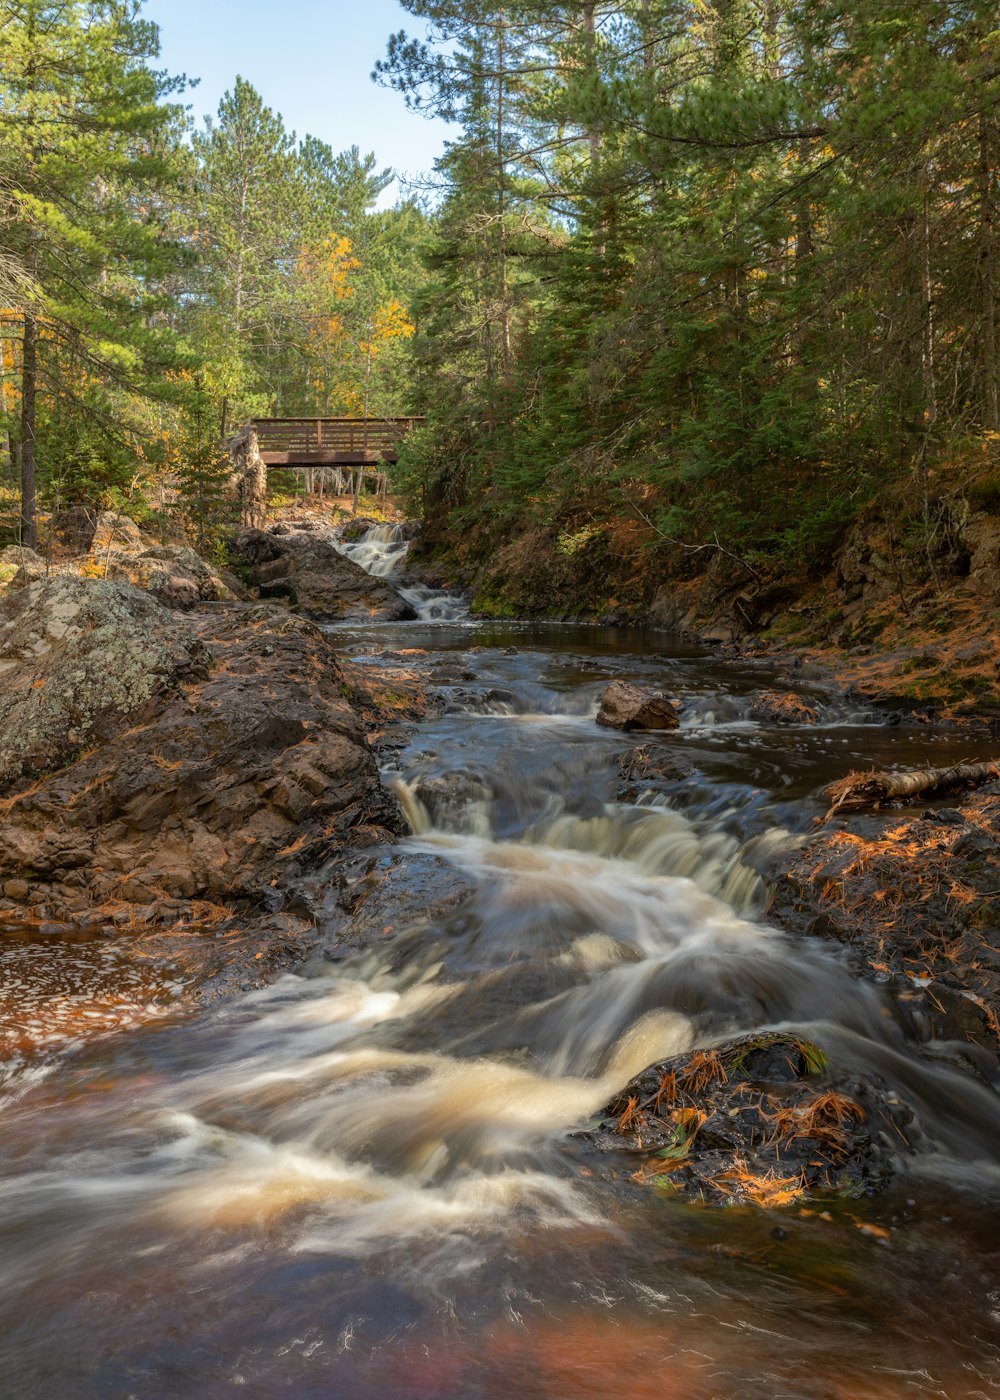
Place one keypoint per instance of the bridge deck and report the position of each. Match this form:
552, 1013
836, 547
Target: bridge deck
330, 442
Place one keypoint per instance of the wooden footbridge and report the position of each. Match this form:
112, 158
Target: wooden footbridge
330, 442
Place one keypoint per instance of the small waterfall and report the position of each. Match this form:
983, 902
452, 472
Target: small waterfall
655, 842
435, 604
381, 551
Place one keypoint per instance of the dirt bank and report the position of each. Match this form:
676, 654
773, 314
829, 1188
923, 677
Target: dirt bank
902, 618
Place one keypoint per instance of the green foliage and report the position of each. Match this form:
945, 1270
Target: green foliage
679, 266
721, 271
89, 153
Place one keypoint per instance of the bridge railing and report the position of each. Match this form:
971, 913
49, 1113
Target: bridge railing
316, 437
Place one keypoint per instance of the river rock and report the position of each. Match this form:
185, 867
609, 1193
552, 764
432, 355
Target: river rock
231, 781
80, 660
313, 578
777, 707
764, 1120
625, 706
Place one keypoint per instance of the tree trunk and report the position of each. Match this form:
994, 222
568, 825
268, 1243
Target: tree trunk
505, 342
29, 392
991, 406
860, 792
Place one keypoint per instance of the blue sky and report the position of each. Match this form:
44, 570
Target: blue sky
310, 60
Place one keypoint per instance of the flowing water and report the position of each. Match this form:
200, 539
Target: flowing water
363, 1180
382, 550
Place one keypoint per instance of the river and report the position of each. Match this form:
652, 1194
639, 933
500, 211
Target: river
364, 1180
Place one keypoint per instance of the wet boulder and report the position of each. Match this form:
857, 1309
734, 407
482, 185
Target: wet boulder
81, 660
777, 707
642, 768
357, 528
764, 1120
458, 801
625, 706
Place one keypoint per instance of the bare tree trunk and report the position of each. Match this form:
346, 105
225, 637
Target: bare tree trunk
29, 392
991, 407
860, 792
927, 320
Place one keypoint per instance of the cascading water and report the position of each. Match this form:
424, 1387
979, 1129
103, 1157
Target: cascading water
379, 551
382, 551
363, 1179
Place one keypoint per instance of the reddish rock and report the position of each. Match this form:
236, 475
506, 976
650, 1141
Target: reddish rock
226, 780
625, 706
310, 576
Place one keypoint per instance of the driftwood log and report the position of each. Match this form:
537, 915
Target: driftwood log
249, 479
862, 792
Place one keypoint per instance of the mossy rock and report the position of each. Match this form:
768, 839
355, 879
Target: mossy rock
81, 659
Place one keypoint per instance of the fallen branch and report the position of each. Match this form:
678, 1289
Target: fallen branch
714, 543
860, 792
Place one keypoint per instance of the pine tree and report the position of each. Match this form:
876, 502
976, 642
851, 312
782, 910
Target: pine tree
246, 230
86, 135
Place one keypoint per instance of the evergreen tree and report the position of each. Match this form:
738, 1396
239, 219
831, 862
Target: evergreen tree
85, 135
247, 233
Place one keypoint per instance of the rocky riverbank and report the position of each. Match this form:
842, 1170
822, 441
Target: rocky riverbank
913, 627
175, 756
202, 775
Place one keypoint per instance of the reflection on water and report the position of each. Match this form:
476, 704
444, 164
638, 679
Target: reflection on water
60, 988
363, 1180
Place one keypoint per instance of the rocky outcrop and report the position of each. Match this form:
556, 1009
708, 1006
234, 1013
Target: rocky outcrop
81, 660
982, 538
16, 558
118, 532
72, 530
81, 530
309, 575
249, 479
916, 902
231, 763
625, 706
177, 577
